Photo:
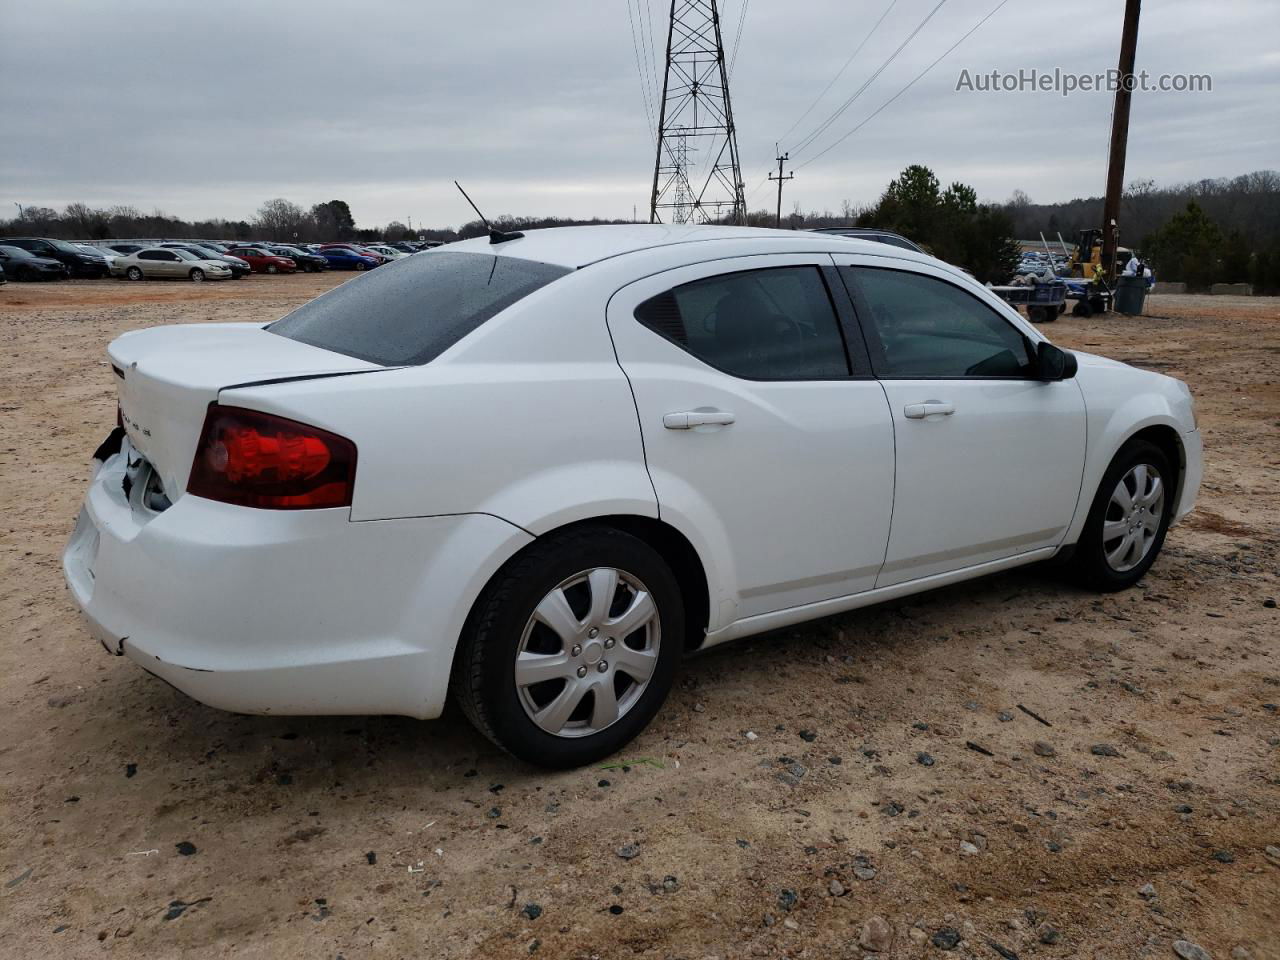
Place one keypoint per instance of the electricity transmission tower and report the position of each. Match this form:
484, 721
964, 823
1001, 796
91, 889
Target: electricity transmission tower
682, 211
696, 118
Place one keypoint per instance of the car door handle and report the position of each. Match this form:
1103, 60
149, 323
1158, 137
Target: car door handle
688, 419
919, 411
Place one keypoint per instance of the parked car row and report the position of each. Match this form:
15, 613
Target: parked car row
37, 258
75, 260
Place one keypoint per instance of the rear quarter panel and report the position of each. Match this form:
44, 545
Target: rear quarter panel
529, 418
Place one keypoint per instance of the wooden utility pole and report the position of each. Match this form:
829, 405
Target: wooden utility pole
1119, 139
790, 176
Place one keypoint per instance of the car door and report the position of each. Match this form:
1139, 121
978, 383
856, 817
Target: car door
150, 262
763, 433
989, 457
171, 265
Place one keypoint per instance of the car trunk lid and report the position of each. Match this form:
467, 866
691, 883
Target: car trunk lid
166, 378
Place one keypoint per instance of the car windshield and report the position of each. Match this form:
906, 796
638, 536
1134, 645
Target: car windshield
19, 253
207, 252
186, 254
65, 247
411, 311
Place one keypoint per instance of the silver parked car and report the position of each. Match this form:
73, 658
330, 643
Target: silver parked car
168, 264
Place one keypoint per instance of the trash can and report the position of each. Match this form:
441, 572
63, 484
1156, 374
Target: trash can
1130, 294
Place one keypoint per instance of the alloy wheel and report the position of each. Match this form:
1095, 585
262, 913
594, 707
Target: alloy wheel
588, 652
1133, 517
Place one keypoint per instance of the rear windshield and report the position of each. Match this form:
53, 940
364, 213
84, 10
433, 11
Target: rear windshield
411, 311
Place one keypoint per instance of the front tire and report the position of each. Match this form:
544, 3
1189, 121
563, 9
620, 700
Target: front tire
572, 648
361, 266
1128, 520
196, 275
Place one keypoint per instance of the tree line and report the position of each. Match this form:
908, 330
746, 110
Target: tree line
278, 219
1203, 232
1199, 233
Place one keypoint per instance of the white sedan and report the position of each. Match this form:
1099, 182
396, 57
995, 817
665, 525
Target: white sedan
532, 472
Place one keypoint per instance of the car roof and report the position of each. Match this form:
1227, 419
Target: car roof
581, 246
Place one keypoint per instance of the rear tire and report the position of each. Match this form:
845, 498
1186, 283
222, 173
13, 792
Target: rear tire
134, 273
600, 690
1127, 521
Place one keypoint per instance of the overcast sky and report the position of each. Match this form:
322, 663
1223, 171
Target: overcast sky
208, 109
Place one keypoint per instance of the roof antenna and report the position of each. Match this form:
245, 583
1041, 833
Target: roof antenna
495, 236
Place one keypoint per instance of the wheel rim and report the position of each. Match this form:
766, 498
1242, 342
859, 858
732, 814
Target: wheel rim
197, 275
1133, 517
588, 652
135, 273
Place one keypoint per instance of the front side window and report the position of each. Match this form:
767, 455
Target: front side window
772, 324
412, 311
922, 327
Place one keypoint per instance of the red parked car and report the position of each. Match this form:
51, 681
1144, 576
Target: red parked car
260, 261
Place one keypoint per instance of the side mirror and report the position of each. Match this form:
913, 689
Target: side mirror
1054, 363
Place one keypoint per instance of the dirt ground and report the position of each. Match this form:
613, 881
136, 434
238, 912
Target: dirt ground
892, 771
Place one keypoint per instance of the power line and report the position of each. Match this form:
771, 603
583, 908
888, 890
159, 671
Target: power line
742, 18
822, 127
644, 87
909, 85
649, 44
840, 72
652, 46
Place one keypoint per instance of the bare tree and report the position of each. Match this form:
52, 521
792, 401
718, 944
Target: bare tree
281, 219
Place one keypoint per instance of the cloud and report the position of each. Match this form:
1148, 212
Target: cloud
207, 110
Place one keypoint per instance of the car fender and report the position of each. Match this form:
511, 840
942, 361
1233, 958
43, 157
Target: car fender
1120, 402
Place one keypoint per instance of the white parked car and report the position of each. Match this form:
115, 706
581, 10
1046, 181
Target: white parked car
535, 472
168, 264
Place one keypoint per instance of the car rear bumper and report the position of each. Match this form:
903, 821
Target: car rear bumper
288, 612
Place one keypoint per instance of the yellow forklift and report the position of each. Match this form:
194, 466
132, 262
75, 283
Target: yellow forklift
1087, 259
1087, 275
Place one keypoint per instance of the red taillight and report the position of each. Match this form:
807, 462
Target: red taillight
260, 460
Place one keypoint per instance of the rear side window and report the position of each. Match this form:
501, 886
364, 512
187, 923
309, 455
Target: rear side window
774, 324
922, 327
411, 311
